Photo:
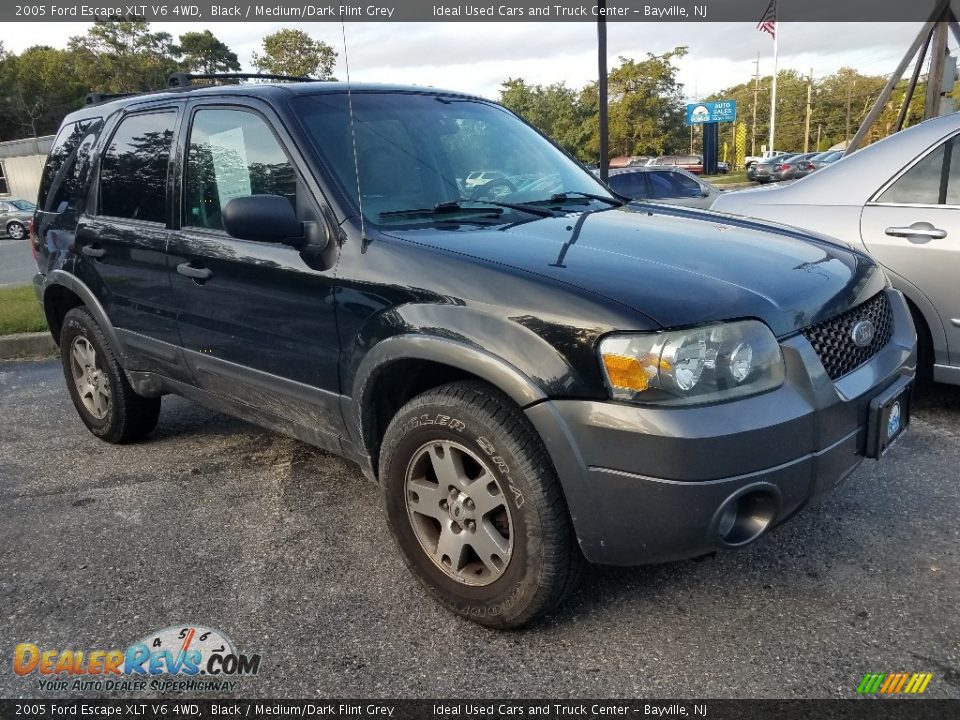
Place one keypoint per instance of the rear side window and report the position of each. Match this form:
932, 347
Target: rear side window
64, 177
935, 180
133, 171
233, 153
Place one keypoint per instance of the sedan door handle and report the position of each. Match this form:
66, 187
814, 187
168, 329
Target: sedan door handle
925, 230
197, 273
91, 251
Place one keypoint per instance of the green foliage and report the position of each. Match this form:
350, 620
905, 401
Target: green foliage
646, 109
42, 84
202, 52
293, 52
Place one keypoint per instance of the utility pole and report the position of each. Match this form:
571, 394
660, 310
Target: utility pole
806, 131
756, 90
602, 88
850, 84
819, 128
938, 54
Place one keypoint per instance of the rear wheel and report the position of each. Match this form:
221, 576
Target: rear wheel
100, 391
16, 230
476, 508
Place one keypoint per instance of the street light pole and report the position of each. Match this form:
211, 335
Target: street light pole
602, 87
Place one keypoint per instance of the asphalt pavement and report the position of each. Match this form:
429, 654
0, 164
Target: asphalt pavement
16, 262
284, 548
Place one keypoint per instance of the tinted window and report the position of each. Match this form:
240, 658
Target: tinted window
3, 181
672, 184
232, 154
133, 172
629, 184
935, 180
64, 177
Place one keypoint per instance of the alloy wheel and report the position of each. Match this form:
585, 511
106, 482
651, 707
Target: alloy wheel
458, 512
93, 387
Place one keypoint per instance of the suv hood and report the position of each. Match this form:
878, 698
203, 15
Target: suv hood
678, 267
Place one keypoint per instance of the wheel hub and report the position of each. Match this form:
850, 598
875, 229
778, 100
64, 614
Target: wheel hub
460, 508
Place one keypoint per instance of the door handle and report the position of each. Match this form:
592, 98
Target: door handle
91, 251
197, 273
920, 229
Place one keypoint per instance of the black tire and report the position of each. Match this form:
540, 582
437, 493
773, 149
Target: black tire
16, 230
545, 562
127, 416
924, 348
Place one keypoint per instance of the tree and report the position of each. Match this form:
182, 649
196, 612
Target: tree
646, 105
293, 52
123, 56
203, 52
37, 88
555, 110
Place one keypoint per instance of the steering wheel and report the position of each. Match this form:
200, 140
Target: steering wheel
494, 190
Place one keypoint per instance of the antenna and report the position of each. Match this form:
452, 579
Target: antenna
353, 133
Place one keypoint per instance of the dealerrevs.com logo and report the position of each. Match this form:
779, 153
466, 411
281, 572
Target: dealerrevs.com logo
181, 657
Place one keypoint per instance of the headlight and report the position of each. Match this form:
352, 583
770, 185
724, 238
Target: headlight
701, 365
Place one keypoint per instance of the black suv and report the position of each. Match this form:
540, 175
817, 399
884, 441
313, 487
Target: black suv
535, 373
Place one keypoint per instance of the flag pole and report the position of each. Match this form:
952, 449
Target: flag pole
773, 91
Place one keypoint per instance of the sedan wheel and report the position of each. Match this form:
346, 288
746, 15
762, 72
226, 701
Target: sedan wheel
16, 231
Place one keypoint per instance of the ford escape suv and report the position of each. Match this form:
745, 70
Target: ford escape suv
535, 376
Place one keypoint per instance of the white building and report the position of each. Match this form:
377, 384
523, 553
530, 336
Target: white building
21, 162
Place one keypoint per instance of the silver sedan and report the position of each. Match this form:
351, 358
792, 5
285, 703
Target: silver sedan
15, 217
900, 200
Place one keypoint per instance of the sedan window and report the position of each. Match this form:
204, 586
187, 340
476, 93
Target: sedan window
935, 180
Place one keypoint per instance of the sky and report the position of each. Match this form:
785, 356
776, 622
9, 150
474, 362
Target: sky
478, 57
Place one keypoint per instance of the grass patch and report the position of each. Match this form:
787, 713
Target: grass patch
734, 177
20, 311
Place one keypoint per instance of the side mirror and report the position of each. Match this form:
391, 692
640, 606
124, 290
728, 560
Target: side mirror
265, 218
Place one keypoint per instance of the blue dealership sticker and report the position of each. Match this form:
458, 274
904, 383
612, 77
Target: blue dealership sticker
893, 422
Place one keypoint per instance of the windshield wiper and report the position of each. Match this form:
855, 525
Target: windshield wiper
568, 194
454, 207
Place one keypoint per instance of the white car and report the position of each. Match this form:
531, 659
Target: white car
900, 200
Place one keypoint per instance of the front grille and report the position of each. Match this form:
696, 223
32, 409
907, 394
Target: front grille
833, 341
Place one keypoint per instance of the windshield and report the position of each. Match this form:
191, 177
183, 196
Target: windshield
418, 151
23, 205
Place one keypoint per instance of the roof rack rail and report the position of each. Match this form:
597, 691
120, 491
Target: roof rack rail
95, 98
179, 80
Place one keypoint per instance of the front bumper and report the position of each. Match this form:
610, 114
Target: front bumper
647, 484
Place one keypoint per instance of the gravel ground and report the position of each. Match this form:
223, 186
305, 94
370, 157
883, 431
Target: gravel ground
284, 548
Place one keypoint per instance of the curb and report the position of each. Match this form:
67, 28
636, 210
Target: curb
23, 346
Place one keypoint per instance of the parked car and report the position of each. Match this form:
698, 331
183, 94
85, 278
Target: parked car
659, 184
629, 161
690, 163
765, 155
791, 167
15, 216
825, 158
900, 200
532, 381
762, 172
482, 177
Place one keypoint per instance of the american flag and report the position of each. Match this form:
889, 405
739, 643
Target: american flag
768, 23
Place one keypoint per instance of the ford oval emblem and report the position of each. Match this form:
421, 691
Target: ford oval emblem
862, 333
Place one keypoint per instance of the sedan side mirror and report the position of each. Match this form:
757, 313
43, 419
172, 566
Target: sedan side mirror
264, 218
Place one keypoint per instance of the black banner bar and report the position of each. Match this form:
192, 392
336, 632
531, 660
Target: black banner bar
180, 709
298, 11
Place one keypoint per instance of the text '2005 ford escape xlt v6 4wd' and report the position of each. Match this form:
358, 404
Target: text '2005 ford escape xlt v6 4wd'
533, 371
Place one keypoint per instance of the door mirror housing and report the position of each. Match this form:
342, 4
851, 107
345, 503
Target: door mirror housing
264, 218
